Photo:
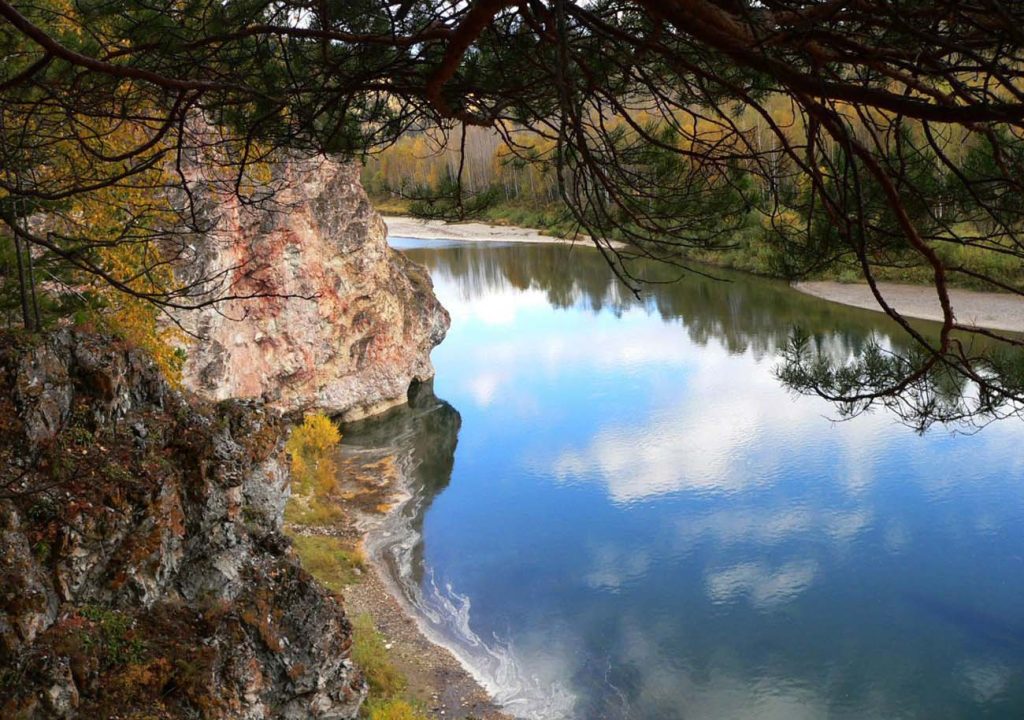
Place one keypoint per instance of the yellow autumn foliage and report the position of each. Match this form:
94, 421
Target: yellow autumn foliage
116, 227
310, 447
112, 168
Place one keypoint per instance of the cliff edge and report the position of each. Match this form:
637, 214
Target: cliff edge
341, 322
143, 572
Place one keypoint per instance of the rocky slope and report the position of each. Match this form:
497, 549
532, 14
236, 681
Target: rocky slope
143, 573
343, 323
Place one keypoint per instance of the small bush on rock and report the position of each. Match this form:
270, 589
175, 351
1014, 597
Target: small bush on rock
310, 446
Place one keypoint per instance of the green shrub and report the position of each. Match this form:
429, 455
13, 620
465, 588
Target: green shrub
311, 510
114, 637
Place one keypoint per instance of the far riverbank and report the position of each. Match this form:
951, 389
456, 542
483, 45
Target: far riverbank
409, 227
992, 311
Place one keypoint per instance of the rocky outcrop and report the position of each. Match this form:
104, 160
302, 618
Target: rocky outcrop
143, 572
341, 322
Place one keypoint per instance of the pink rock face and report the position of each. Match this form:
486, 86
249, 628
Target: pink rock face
343, 323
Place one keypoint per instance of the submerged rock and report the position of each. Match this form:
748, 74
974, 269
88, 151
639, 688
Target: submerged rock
142, 567
342, 323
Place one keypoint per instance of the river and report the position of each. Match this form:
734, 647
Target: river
619, 512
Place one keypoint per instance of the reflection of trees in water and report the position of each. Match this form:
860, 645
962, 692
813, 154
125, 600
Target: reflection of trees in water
741, 312
421, 436
844, 352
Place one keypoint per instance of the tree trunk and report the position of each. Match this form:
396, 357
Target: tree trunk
26, 316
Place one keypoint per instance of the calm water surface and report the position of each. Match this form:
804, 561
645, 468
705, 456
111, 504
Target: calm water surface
618, 511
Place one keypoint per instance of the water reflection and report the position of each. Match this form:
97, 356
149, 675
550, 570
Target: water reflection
420, 438
641, 522
743, 313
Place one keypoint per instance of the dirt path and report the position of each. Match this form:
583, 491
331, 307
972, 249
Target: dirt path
994, 311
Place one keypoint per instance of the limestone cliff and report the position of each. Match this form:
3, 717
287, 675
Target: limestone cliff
344, 324
142, 568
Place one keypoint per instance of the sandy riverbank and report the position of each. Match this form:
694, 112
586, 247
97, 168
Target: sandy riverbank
436, 678
994, 311
372, 488
409, 227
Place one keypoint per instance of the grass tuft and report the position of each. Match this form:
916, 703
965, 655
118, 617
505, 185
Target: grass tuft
394, 710
369, 653
313, 510
329, 561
